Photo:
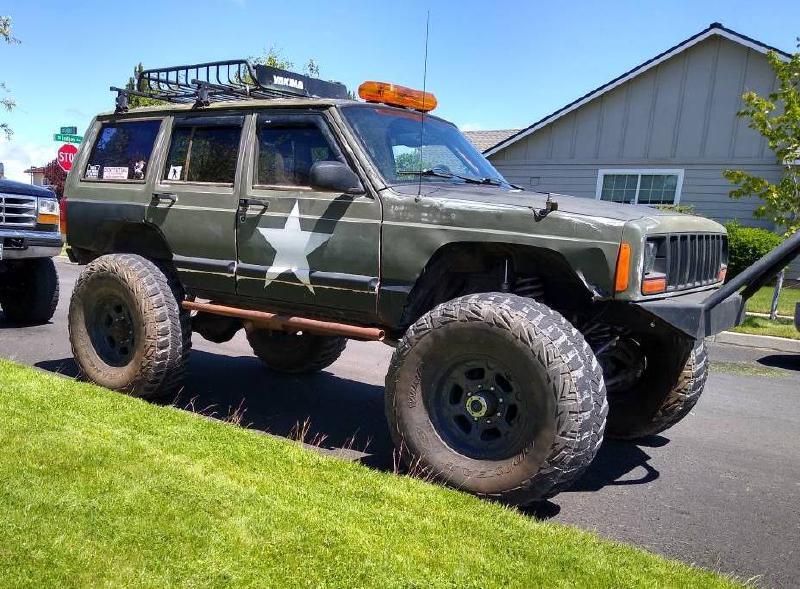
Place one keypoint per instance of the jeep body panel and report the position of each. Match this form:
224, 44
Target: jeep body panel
375, 245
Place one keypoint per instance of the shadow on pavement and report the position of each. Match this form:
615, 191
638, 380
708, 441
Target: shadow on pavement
784, 361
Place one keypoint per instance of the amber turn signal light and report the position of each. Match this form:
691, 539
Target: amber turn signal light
654, 285
395, 95
723, 272
623, 267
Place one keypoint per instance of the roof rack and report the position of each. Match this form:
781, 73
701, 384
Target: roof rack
234, 79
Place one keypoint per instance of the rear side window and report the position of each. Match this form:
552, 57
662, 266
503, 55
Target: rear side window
202, 152
287, 152
122, 151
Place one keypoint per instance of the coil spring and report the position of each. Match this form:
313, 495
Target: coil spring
530, 287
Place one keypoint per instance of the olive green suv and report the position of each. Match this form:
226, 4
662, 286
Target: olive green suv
525, 325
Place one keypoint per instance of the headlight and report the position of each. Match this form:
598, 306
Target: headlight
650, 250
48, 211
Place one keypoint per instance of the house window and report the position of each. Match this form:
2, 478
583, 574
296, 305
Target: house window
644, 187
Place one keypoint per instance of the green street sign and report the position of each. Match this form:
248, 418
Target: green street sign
69, 130
67, 138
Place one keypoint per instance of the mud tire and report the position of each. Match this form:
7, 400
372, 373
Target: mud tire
678, 385
30, 292
554, 366
295, 353
161, 342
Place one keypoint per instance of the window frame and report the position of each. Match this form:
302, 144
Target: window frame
639, 172
109, 122
212, 120
301, 118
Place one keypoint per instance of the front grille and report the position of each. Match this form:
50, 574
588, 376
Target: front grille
695, 259
17, 210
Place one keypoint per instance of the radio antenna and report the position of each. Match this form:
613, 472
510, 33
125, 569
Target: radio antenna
424, 96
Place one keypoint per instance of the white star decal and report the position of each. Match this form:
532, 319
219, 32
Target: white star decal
292, 246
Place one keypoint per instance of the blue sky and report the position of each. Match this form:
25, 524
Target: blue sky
491, 65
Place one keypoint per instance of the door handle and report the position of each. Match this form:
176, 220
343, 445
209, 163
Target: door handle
168, 196
254, 202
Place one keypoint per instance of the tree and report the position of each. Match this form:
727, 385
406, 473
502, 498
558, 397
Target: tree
143, 86
7, 102
55, 177
777, 118
274, 58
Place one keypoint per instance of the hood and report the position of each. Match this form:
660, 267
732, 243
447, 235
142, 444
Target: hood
12, 187
495, 195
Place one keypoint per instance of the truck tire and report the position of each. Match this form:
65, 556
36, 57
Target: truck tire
497, 395
666, 393
30, 295
292, 353
127, 328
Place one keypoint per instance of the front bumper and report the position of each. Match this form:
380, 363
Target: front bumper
692, 315
23, 245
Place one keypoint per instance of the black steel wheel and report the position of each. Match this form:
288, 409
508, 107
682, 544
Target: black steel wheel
480, 410
112, 330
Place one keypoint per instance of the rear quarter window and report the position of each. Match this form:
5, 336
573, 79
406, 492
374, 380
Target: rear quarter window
122, 151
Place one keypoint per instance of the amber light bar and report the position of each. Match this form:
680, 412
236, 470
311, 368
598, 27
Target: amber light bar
395, 95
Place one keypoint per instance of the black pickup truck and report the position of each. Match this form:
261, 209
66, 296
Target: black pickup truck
30, 237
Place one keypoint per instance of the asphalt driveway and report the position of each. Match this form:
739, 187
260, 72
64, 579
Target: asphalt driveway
721, 489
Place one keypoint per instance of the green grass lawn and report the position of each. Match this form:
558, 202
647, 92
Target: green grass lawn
761, 301
763, 326
99, 489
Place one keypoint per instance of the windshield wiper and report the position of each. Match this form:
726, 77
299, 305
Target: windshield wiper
443, 174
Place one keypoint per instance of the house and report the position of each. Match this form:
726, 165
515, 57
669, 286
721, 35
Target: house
661, 133
37, 175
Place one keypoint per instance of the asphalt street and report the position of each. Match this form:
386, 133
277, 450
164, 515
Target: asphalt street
720, 490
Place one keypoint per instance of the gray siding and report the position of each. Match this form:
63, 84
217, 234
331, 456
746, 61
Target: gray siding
680, 114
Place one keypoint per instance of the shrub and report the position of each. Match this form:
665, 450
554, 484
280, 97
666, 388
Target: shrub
679, 208
746, 245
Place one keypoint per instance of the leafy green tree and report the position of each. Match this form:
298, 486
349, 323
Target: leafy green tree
777, 118
143, 86
7, 101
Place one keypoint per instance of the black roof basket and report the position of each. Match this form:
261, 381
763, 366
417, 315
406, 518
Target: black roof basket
233, 79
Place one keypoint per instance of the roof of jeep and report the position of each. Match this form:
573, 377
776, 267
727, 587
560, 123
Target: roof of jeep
252, 104
249, 104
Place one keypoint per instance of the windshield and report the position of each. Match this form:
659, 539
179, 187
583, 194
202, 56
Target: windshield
404, 149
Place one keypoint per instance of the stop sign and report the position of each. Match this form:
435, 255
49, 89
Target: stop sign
65, 155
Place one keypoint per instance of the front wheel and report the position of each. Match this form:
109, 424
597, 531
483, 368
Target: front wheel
667, 384
29, 293
497, 395
127, 329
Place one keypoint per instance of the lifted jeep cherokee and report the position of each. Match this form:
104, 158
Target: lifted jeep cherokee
29, 238
525, 324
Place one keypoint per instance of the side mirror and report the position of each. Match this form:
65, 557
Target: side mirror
334, 177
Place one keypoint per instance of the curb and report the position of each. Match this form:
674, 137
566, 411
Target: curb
767, 342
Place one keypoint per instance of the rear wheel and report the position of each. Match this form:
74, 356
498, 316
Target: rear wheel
295, 353
127, 329
29, 293
497, 395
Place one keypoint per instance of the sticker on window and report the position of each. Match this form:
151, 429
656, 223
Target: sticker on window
93, 172
175, 172
115, 173
138, 170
